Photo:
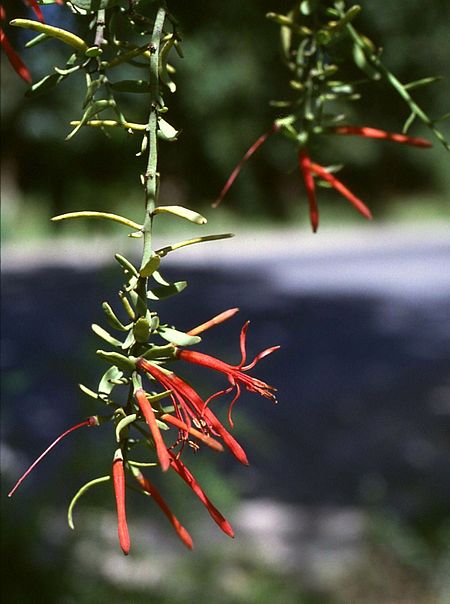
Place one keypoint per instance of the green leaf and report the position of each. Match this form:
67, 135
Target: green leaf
166, 131
159, 352
141, 330
124, 422
176, 246
181, 212
112, 318
178, 337
102, 333
81, 492
105, 386
47, 83
126, 265
88, 391
165, 291
115, 358
151, 266
53, 32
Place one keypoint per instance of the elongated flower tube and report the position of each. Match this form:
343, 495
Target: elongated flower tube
119, 491
189, 405
308, 168
150, 488
17, 64
149, 415
184, 473
91, 421
369, 132
236, 374
235, 173
342, 189
308, 178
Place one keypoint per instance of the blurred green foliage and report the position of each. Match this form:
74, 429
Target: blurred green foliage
231, 72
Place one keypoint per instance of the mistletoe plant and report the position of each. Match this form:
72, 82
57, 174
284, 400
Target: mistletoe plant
321, 48
154, 414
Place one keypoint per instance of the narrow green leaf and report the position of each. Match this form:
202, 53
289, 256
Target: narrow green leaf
100, 215
124, 422
47, 83
102, 333
126, 265
141, 330
151, 266
422, 82
166, 131
36, 40
165, 291
112, 318
159, 352
176, 246
178, 337
181, 212
88, 391
53, 32
81, 492
115, 358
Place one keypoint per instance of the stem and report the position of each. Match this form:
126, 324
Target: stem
397, 85
150, 177
100, 28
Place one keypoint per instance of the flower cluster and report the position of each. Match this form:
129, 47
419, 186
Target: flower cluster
320, 48
192, 417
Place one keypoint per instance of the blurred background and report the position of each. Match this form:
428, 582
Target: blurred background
346, 499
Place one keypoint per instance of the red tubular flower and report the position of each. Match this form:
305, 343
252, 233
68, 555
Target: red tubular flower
150, 488
235, 373
235, 173
189, 405
189, 479
342, 189
368, 132
305, 167
36, 8
220, 318
308, 169
91, 421
148, 413
119, 491
16, 62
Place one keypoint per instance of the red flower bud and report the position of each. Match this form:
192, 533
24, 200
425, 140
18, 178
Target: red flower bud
119, 491
148, 413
